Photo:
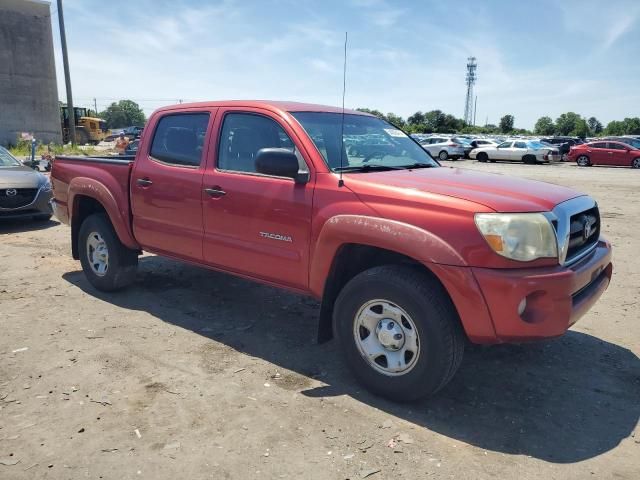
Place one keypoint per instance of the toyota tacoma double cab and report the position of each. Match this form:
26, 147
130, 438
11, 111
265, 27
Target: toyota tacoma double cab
409, 259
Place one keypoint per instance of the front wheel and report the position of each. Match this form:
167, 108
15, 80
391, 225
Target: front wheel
635, 163
583, 161
106, 262
399, 332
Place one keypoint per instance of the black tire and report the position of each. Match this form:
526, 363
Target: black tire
635, 163
45, 217
441, 338
583, 161
122, 261
482, 157
529, 160
443, 155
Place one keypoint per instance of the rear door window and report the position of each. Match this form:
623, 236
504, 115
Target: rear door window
599, 145
520, 145
179, 138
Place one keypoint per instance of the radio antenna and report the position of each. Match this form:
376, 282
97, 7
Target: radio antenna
344, 90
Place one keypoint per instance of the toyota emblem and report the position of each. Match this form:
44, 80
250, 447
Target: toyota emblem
11, 192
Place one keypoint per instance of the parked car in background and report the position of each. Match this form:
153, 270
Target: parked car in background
526, 151
634, 142
483, 142
563, 144
606, 153
132, 148
23, 191
444, 147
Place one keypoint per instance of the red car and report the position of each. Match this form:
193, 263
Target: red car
605, 153
409, 259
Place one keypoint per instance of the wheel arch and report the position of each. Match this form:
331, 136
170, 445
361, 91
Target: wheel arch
88, 196
351, 244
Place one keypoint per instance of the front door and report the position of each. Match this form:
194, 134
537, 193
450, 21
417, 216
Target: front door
255, 224
598, 154
166, 186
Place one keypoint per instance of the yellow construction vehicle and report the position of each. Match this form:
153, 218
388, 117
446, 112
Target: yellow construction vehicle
88, 129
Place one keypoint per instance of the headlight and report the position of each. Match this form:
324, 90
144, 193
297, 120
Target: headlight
518, 236
45, 184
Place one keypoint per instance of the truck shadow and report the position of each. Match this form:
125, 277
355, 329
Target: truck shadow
561, 401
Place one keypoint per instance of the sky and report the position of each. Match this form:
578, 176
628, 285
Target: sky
534, 58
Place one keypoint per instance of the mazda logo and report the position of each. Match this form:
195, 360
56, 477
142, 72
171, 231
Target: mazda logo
11, 192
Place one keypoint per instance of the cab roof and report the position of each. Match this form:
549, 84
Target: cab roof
275, 106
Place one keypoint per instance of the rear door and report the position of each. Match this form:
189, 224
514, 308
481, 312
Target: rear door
166, 185
255, 224
598, 153
518, 151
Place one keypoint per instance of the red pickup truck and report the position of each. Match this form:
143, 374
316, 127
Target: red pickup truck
409, 259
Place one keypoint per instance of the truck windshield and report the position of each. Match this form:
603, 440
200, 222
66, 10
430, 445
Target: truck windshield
368, 142
7, 160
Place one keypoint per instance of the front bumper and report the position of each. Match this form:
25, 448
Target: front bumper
40, 206
556, 297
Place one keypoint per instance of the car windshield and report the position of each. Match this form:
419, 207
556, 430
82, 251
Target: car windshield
7, 160
368, 142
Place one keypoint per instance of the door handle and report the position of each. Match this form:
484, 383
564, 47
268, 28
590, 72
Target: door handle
215, 192
144, 182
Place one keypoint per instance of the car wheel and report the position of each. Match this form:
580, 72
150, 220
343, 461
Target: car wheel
482, 157
45, 217
443, 155
635, 163
529, 159
583, 161
106, 262
399, 332
564, 157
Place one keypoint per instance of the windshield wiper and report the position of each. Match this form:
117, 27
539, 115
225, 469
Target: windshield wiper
366, 168
419, 165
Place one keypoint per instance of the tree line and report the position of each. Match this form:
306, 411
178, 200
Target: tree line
567, 124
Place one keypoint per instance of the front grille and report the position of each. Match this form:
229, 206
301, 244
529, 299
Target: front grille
22, 197
584, 232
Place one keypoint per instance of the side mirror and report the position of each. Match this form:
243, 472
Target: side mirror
280, 162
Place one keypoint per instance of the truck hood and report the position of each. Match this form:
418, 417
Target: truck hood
501, 193
19, 177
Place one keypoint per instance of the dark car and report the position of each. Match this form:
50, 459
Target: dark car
23, 191
563, 144
132, 147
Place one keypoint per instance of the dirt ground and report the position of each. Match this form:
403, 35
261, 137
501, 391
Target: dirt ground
193, 374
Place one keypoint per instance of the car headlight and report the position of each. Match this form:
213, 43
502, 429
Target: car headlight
45, 184
519, 236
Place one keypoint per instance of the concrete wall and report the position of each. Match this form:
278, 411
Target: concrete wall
28, 89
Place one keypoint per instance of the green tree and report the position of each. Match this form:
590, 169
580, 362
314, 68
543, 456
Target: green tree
581, 130
631, 126
595, 126
544, 126
615, 127
567, 123
396, 120
122, 114
434, 120
506, 123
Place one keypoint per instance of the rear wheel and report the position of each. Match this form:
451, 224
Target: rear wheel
529, 159
82, 138
443, 155
583, 161
44, 217
106, 262
399, 332
482, 157
635, 163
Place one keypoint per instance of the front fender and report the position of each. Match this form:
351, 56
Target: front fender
117, 210
392, 235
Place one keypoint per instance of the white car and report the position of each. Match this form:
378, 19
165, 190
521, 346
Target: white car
526, 151
443, 147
